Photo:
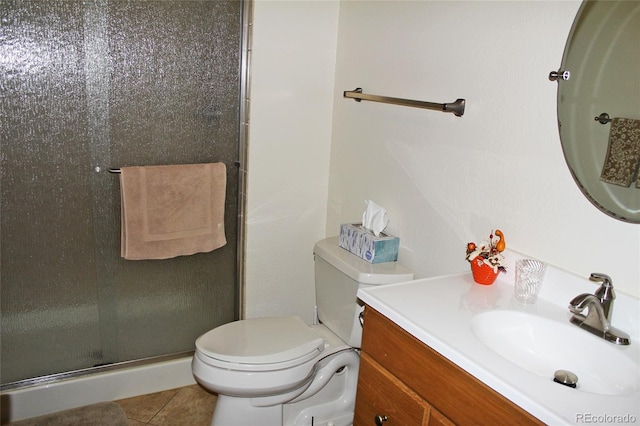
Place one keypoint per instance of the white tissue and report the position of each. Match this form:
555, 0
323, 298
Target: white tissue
374, 218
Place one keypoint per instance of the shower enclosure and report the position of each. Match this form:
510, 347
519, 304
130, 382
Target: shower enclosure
88, 85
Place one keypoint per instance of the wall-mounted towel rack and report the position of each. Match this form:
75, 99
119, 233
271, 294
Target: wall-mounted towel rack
603, 118
457, 107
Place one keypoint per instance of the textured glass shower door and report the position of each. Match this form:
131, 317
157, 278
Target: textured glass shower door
88, 85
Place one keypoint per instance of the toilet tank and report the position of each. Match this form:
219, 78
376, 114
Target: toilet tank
338, 275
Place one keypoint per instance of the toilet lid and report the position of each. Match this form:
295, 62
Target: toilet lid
260, 341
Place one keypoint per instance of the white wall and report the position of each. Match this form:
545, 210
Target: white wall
293, 60
447, 180
444, 180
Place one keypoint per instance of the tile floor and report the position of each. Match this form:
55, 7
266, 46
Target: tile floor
188, 406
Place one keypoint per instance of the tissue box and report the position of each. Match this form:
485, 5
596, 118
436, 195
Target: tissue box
362, 243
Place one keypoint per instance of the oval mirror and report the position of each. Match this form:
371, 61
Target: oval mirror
603, 57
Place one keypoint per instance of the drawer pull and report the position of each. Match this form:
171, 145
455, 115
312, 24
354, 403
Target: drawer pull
380, 419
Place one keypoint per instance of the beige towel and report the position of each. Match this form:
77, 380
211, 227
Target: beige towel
170, 211
623, 154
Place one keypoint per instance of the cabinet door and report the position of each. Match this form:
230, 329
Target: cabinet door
384, 400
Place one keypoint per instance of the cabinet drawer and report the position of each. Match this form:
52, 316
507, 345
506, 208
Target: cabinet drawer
381, 394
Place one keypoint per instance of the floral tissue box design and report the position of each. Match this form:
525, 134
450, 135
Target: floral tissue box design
364, 244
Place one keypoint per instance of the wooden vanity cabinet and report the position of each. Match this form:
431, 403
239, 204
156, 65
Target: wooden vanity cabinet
402, 381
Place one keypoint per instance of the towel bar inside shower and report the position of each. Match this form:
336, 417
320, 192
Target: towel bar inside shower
117, 170
457, 107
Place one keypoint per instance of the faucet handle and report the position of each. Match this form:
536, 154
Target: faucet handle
604, 293
601, 278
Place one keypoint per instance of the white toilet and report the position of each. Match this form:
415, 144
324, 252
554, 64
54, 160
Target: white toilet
280, 371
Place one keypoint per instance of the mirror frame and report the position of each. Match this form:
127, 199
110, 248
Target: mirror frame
603, 78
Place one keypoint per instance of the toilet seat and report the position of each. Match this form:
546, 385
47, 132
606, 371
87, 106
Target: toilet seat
260, 344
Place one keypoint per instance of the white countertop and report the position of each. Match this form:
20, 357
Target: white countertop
438, 311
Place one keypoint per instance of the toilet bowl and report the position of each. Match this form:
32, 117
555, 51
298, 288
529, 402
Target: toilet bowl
278, 355
282, 361
280, 371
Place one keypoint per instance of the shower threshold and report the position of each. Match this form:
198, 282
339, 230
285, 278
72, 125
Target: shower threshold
102, 368
57, 392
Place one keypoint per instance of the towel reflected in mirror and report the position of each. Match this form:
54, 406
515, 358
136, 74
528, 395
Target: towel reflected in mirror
623, 153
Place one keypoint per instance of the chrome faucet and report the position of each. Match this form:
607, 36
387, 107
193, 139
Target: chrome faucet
599, 311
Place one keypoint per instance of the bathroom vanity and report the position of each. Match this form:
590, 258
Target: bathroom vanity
408, 383
445, 350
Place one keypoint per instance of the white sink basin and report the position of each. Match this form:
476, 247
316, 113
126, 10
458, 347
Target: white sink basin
543, 346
